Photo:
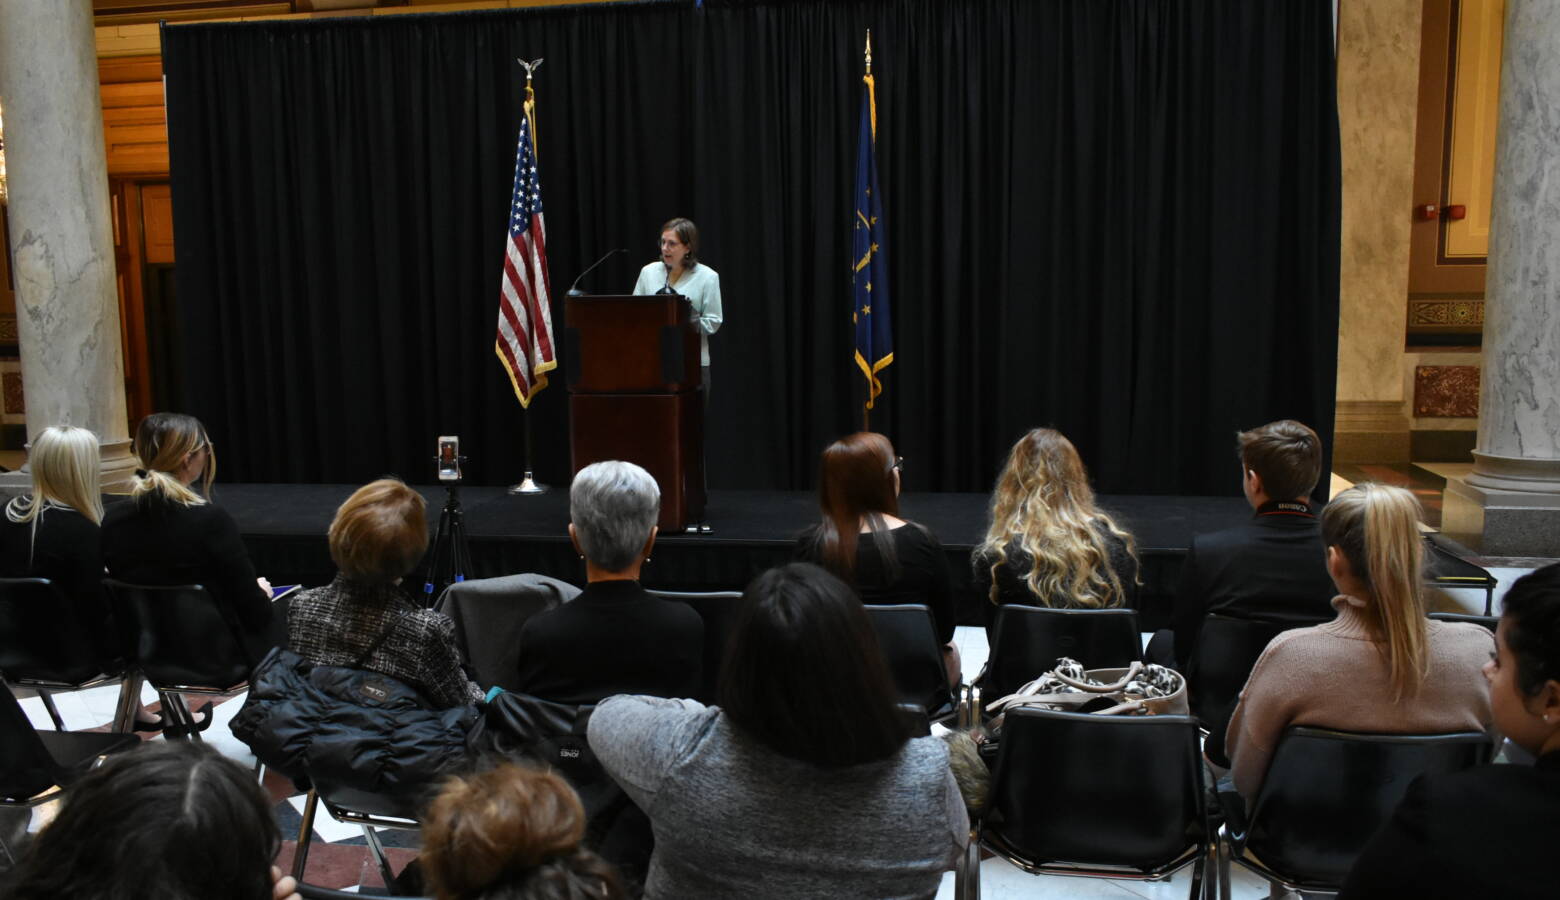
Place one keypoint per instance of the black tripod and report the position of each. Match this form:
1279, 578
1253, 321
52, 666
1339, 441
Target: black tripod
449, 546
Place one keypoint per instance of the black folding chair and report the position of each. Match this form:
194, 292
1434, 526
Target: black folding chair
37, 766
718, 610
46, 644
1484, 621
1227, 649
1118, 797
1028, 640
368, 820
180, 639
908, 637
1325, 795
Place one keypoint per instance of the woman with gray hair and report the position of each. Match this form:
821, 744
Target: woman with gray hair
614, 638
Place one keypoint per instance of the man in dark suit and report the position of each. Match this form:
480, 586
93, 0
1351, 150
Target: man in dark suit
1270, 567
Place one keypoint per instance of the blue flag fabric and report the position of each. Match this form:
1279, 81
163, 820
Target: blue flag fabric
869, 279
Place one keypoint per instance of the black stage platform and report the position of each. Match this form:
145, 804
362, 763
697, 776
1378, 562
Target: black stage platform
284, 526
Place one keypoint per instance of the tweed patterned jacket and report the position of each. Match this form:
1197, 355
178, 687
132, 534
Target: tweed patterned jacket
335, 624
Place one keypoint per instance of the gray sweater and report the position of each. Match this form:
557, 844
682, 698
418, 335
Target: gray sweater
735, 819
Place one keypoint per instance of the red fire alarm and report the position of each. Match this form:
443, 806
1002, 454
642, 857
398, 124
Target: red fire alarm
1427, 211
1457, 211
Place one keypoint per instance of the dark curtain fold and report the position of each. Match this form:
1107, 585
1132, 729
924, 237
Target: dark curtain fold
1119, 218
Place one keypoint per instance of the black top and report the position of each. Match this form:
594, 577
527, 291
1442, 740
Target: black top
69, 552
150, 540
1013, 586
1271, 567
1489, 831
924, 576
614, 638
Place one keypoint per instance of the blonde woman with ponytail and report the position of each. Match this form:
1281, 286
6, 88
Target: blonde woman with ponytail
1380, 666
1049, 544
170, 533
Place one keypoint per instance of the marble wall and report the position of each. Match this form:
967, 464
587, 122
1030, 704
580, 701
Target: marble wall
1378, 90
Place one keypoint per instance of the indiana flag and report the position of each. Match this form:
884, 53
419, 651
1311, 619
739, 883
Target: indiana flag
869, 278
525, 339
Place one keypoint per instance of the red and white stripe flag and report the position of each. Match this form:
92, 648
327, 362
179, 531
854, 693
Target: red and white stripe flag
525, 338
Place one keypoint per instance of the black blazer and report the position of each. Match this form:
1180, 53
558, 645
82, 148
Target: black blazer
614, 638
149, 540
1488, 832
1272, 567
69, 552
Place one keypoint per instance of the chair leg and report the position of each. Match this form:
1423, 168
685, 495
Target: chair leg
1196, 892
54, 712
179, 711
129, 703
305, 835
1223, 849
378, 850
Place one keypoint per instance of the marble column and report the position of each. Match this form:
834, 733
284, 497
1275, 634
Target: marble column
1378, 90
1510, 504
62, 246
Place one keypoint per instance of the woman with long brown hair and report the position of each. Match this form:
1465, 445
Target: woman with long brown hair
863, 541
1382, 665
1049, 544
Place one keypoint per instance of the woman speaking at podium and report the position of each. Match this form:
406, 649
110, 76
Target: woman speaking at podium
679, 271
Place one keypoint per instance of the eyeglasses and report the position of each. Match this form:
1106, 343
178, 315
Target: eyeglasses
899, 464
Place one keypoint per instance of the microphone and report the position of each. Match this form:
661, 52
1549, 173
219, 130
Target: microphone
574, 289
667, 287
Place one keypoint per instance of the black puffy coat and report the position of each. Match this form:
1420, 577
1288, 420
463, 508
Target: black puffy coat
364, 740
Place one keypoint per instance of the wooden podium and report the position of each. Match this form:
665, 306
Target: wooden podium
632, 367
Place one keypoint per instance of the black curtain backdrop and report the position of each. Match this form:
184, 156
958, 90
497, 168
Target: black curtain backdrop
1118, 217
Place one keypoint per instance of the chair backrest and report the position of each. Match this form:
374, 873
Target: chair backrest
489, 613
1227, 649
41, 635
178, 635
1327, 792
718, 609
1104, 790
1486, 621
26, 766
1027, 641
908, 637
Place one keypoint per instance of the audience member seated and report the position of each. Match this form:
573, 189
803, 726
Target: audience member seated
1487, 832
174, 821
168, 533
1381, 666
1048, 543
1270, 567
614, 637
897, 561
804, 781
363, 618
511, 833
54, 532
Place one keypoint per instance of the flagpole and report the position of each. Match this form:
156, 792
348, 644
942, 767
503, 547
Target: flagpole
528, 485
866, 408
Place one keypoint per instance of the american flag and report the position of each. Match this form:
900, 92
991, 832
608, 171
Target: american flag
525, 339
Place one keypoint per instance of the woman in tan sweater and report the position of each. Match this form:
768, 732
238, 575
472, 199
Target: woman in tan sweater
1381, 666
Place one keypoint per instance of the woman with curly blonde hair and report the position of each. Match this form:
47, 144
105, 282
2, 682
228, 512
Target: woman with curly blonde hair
1049, 544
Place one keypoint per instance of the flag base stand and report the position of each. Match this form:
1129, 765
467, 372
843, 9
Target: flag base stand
528, 485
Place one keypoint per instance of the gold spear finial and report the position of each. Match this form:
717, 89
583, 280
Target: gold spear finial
869, 51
